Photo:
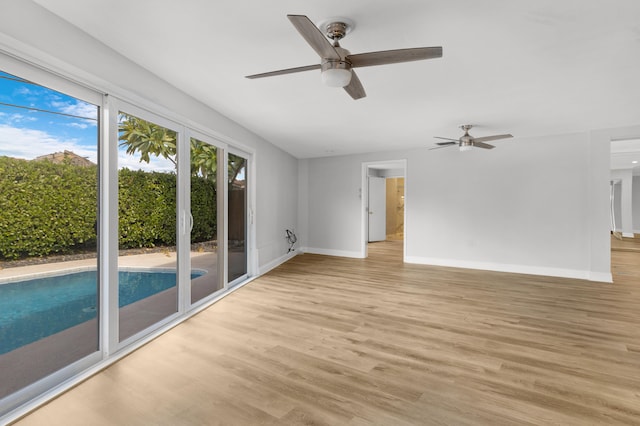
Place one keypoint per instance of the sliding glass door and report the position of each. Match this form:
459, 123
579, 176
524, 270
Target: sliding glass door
237, 213
204, 253
104, 243
49, 179
147, 233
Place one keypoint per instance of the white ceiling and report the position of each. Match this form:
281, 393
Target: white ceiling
529, 68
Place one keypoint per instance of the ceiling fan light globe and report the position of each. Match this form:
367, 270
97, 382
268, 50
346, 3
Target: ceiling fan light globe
466, 147
336, 77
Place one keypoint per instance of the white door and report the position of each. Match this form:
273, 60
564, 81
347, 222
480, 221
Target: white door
377, 209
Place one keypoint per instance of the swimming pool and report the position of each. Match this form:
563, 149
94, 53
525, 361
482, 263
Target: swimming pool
36, 308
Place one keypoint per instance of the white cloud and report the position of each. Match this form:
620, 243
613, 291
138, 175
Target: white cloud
29, 143
23, 90
132, 162
82, 125
16, 118
78, 108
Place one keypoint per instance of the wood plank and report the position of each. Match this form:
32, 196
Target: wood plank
326, 340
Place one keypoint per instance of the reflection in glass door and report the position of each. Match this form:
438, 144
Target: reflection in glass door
147, 262
204, 253
237, 217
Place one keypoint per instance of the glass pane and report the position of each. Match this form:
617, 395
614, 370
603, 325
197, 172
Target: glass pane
204, 233
237, 212
48, 224
147, 291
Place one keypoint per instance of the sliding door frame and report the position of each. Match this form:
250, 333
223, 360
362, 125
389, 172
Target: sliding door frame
43, 77
109, 348
116, 106
251, 260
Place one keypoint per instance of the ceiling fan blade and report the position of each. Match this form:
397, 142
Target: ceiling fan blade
394, 56
446, 139
492, 138
314, 37
447, 143
443, 146
354, 88
285, 71
482, 145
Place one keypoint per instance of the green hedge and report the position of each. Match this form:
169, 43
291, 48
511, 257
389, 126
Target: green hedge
48, 208
147, 204
45, 208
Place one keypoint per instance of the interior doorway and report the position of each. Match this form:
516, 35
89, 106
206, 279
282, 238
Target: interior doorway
383, 203
395, 209
625, 202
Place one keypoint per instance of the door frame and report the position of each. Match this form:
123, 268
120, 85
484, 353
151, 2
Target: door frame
364, 198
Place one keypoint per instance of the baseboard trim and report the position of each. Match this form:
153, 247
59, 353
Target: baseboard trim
628, 235
263, 269
329, 252
511, 268
601, 277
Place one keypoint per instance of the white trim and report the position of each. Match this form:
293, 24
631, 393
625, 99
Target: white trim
330, 252
24, 66
511, 268
277, 262
183, 228
601, 277
628, 235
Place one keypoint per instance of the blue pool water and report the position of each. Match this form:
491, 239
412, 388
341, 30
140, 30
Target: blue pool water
37, 308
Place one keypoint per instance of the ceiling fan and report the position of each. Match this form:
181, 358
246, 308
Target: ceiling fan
337, 63
468, 142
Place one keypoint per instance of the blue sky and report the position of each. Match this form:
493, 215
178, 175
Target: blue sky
70, 125
26, 133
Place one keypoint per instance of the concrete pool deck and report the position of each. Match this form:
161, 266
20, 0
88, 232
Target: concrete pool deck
199, 260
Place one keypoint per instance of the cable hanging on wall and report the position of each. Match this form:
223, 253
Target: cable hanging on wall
291, 239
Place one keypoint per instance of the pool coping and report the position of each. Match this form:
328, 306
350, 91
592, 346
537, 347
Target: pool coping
141, 262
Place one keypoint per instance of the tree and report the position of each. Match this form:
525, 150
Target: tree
146, 138
204, 161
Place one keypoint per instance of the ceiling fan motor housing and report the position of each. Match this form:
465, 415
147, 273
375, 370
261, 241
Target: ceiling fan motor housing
336, 30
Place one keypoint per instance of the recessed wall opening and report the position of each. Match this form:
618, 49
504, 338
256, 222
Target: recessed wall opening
625, 195
384, 203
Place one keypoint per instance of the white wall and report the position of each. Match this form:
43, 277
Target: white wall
530, 205
519, 207
32, 33
334, 205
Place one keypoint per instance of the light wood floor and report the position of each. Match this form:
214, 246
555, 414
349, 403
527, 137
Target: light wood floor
323, 340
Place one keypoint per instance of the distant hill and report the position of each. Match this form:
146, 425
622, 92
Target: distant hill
66, 157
